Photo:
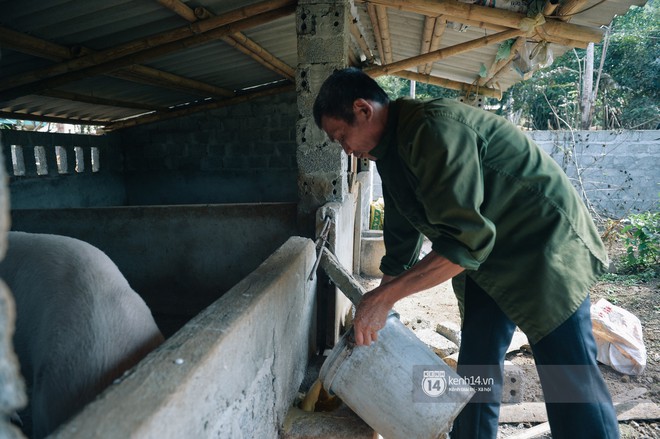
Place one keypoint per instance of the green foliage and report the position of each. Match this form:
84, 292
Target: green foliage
629, 87
396, 87
641, 235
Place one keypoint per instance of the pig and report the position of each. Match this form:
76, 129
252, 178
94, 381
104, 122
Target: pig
79, 325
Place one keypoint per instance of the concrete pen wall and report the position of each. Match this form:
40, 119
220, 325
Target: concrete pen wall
233, 371
178, 258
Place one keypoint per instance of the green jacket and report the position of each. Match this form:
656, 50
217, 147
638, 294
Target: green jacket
491, 201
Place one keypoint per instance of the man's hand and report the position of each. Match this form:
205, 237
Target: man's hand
371, 313
370, 317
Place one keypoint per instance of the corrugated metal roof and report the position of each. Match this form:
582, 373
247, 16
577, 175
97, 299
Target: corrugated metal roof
207, 70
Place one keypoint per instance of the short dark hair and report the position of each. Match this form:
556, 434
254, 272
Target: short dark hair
341, 89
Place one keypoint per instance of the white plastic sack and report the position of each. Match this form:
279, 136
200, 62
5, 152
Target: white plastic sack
618, 336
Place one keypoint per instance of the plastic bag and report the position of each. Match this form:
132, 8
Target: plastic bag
618, 336
532, 57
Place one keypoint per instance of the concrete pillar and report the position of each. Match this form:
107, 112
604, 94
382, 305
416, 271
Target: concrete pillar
323, 36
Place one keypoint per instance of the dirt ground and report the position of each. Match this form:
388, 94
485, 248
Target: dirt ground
428, 308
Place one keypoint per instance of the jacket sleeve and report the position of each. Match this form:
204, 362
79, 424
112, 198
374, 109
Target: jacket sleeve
444, 155
402, 241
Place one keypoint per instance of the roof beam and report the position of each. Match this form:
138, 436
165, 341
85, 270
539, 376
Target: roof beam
52, 119
238, 40
136, 73
439, 54
114, 59
438, 31
361, 42
174, 113
384, 26
552, 29
98, 101
373, 17
498, 66
448, 83
427, 33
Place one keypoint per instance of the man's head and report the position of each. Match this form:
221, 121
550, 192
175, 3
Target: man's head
341, 89
352, 109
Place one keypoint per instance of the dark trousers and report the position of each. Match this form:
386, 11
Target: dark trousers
577, 400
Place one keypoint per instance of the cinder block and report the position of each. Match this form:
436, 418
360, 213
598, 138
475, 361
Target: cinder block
512, 391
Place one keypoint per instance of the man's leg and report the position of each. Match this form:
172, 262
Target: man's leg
485, 337
577, 400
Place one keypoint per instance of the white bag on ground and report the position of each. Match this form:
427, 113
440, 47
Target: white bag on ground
618, 336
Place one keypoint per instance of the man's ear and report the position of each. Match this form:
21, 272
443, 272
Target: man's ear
363, 107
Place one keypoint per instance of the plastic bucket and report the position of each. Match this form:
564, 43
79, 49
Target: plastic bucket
398, 386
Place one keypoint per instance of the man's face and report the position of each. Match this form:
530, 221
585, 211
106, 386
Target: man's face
358, 138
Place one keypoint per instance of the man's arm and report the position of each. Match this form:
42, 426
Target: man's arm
372, 310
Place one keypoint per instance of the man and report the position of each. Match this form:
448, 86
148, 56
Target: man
506, 225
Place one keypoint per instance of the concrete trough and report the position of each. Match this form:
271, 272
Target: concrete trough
232, 371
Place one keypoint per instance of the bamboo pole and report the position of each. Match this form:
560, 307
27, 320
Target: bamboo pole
550, 7
238, 41
361, 42
427, 33
186, 33
497, 67
139, 57
443, 53
448, 83
485, 14
241, 42
146, 75
158, 116
151, 76
180, 8
53, 119
438, 32
384, 26
98, 101
33, 46
569, 8
371, 10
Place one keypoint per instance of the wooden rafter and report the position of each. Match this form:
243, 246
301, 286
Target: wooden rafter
427, 34
553, 29
438, 31
53, 119
569, 8
373, 17
114, 59
448, 83
238, 40
361, 42
384, 26
77, 97
171, 114
439, 54
28, 44
497, 66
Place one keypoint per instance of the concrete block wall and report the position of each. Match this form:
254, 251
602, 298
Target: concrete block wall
178, 258
232, 372
243, 153
618, 169
52, 186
